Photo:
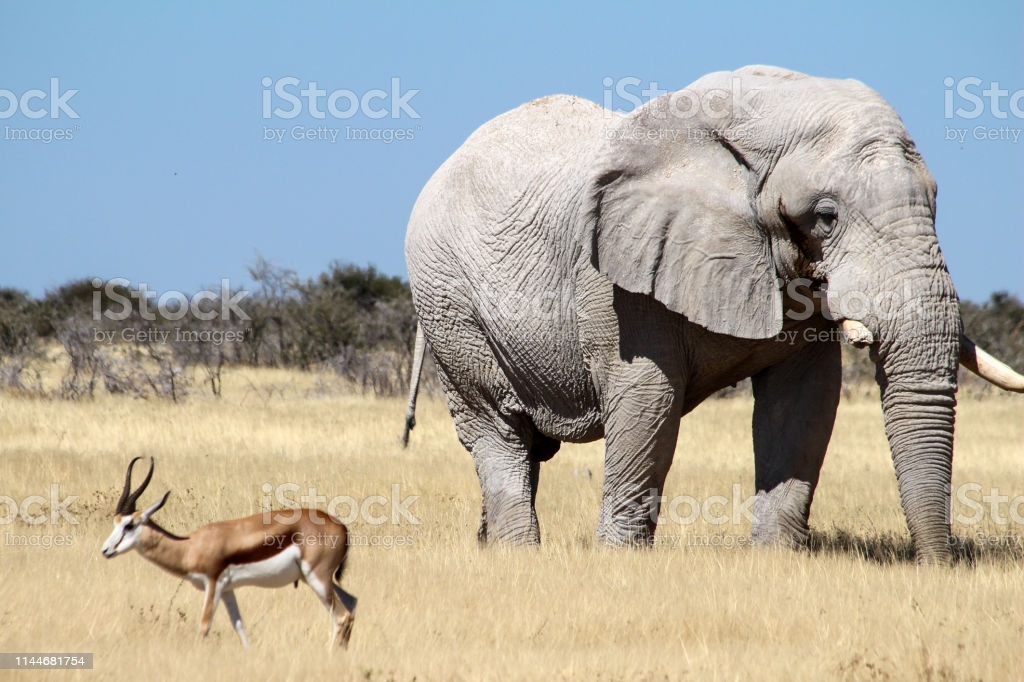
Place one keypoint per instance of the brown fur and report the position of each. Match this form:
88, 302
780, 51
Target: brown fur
214, 547
210, 550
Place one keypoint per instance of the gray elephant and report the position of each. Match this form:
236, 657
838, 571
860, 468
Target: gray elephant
580, 274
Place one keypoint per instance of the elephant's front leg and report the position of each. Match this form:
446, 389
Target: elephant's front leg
794, 410
641, 426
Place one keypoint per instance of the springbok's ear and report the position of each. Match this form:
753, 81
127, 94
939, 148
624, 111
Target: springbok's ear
673, 218
156, 507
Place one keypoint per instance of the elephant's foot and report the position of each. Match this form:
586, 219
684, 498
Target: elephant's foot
616, 537
780, 514
507, 531
508, 516
529, 537
633, 529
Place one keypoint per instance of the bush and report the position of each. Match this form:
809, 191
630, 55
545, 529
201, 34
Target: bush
352, 321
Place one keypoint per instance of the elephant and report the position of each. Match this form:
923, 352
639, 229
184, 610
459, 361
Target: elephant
578, 274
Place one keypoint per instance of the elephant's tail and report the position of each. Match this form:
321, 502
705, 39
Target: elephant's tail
414, 383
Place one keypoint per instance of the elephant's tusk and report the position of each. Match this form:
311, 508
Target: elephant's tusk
857, 334
988, 368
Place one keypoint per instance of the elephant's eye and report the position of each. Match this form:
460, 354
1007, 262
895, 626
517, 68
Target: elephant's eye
828, 215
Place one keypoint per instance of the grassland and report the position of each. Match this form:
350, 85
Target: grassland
852, 608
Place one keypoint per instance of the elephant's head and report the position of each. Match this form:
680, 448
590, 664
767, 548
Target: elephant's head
715, 198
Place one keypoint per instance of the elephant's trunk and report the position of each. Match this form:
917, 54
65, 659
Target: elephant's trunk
917, 356
919, 426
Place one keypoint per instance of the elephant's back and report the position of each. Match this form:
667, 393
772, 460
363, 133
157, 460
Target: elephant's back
521, 154
504, 200
507, 188
541, 130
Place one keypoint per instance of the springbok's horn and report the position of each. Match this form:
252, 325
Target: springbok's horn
126, 505
988, 368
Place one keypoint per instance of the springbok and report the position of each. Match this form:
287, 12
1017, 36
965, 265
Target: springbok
224, 555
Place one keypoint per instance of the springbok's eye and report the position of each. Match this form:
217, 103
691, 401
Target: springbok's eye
828, 214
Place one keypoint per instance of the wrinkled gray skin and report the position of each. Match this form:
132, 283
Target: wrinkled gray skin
580, 274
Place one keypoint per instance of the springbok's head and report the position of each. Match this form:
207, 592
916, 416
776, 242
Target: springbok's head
128, 523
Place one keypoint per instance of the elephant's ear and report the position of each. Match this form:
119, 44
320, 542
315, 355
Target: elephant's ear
675, 219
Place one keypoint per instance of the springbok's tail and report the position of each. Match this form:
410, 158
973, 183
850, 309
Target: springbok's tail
414, 383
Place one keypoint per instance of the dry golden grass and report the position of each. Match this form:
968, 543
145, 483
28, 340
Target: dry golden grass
853, 608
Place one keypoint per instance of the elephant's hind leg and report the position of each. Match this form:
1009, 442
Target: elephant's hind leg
794, 410
508, 482
507, 452
490, 419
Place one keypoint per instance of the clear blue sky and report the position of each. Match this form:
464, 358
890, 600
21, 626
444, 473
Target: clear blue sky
168, 179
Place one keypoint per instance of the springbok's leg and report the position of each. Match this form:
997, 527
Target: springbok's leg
213, 591
341, 617
231, 604
344, 616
